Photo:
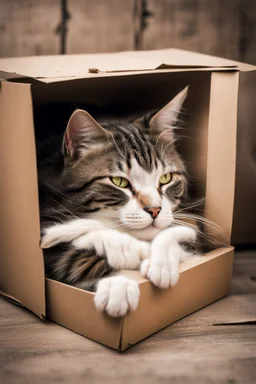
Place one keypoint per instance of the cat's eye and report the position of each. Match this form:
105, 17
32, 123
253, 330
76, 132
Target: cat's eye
121, 182
166, 178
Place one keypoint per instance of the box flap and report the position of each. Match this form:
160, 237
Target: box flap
202, 280
221, 155
22, 266
244, 228
74, 308
83, 65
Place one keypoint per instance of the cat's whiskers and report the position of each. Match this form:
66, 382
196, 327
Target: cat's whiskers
199, 232
164, 149
194, 205
67, 198
202, 220
56, 210
170, 129
63, 194
115, 144
63, 206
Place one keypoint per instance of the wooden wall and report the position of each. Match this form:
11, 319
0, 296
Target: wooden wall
219, 27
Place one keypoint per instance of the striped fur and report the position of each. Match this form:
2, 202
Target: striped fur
75, 183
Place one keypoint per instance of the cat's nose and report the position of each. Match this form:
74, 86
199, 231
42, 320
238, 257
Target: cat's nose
154, 211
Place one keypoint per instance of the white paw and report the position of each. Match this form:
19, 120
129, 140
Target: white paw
162, 274
117, 295
173, 235
121, 250
162, 269
185, 233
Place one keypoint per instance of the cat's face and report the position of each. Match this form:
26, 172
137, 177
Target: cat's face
129, 176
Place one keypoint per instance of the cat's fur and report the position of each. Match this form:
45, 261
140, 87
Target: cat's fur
93, 228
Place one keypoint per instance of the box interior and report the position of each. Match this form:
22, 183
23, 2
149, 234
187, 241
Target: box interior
122, 96
22, 267
201, 282
128, 97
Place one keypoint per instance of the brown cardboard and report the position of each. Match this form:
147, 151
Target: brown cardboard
82, 65
201, 282
56, 68
22, 268
221, 156
210, 147
244, 228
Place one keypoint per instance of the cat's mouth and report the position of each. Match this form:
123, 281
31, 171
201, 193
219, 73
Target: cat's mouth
141, 227
152, 225
146, 234
132, 222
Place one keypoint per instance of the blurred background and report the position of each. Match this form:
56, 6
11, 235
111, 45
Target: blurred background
48, 27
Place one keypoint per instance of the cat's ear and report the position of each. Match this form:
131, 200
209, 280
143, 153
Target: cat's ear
164, 121
82, 132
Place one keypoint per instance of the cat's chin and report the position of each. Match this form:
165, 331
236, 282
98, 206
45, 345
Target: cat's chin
146, 234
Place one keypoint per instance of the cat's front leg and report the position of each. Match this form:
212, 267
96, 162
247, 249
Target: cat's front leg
65, 233
92, 261
122, 251
162, 269
115, 295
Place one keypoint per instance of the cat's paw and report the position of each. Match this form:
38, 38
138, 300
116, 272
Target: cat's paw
117, 295
162, 269
162, 274
174, 235
121, 250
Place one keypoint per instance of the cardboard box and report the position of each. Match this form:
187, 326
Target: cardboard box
132, 81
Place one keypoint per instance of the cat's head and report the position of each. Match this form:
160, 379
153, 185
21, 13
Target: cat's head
128, 176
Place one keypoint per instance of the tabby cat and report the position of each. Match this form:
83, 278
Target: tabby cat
108, 195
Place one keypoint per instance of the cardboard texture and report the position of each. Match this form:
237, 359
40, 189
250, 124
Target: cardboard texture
244, 228
81, 65
220, 181
218, 89
22, 268
201, 282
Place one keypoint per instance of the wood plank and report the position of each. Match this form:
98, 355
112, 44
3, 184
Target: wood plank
219, 28
100, 26
28, 27
245, 262
210, 27
247, 38
244, 271
243, 283
190, 351
173, 25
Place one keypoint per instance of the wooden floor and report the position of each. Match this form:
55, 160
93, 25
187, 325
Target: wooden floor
214, 345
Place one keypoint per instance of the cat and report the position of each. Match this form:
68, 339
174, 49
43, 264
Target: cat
108, 195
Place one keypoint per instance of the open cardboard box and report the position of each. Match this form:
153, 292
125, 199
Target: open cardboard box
131, 81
